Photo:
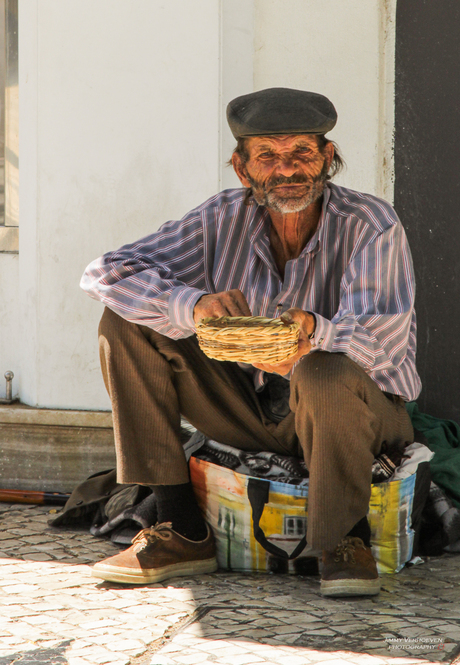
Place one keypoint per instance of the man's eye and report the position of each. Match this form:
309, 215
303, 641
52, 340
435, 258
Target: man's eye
304, 150
266, 155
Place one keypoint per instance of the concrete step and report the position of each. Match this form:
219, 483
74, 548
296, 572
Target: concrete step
51, 449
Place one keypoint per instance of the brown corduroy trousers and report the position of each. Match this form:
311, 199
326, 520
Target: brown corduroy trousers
338, 421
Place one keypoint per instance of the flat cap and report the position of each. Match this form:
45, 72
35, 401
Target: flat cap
280, 111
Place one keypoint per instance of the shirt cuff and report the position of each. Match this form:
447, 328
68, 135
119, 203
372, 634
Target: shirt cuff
182, 302
325, 333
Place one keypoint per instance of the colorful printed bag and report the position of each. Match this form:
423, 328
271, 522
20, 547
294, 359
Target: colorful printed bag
260, 525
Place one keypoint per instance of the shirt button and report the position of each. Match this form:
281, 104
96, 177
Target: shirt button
279, 306
321, 340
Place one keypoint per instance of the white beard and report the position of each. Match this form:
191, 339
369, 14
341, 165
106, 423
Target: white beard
284, 205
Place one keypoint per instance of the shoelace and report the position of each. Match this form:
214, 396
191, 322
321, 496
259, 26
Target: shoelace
346, 549
151, 534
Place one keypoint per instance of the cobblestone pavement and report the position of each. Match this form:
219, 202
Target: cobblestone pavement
53, 612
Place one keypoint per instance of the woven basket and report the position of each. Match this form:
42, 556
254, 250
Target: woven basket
248, 339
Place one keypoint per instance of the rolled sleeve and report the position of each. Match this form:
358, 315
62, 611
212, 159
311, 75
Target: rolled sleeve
181, 304
325, 333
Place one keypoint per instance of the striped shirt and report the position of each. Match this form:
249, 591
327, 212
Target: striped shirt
355, 274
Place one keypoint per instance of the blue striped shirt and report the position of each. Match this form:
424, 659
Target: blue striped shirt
355, 274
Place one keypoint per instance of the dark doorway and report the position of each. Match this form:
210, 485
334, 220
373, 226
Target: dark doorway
427, 186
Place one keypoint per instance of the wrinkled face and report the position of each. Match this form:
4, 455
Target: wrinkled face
286, 173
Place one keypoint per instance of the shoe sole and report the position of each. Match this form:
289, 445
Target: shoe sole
350, 587
129, 576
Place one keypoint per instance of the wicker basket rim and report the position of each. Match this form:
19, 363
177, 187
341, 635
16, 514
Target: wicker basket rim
245, 322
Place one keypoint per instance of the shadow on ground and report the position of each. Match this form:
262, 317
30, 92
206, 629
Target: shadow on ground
54, 656
52, 611
415, 616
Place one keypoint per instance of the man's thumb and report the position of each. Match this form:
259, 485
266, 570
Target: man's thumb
287, 317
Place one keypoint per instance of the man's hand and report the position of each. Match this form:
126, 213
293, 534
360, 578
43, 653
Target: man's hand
307, 324
225, 303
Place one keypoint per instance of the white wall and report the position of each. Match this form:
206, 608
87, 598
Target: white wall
237, 71
122, 127
119, 117
335, 48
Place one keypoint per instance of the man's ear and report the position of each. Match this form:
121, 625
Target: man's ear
240, 169
328, 152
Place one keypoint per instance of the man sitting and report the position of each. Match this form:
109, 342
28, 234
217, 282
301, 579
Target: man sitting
289, 244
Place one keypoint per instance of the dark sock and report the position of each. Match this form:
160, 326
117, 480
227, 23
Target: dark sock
362, 530
177, 504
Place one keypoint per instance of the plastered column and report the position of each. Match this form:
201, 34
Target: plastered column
336, 48
119, 127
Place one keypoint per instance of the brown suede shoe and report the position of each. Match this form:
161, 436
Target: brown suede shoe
350, 570
158, 553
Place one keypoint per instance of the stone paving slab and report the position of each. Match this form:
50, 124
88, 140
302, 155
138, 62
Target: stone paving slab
53, 612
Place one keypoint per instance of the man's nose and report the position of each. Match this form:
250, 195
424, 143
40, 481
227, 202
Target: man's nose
287, 166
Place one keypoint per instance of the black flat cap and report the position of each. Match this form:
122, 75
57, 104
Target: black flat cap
280, 111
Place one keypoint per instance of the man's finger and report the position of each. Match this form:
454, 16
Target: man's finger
292, 314
282, 368
236, 303
209, 306
219, 309
232, 305
264, 368
235, 309
306, 320
227, 303
241, 302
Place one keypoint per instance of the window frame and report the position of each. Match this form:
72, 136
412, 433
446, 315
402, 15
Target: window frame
9, 121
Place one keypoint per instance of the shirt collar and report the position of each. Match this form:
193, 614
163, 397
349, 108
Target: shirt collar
314, 244
260, 225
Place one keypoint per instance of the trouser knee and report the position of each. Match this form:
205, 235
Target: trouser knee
110, 324
322, 372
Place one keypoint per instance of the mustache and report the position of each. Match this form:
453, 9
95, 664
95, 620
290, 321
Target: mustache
294, 179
